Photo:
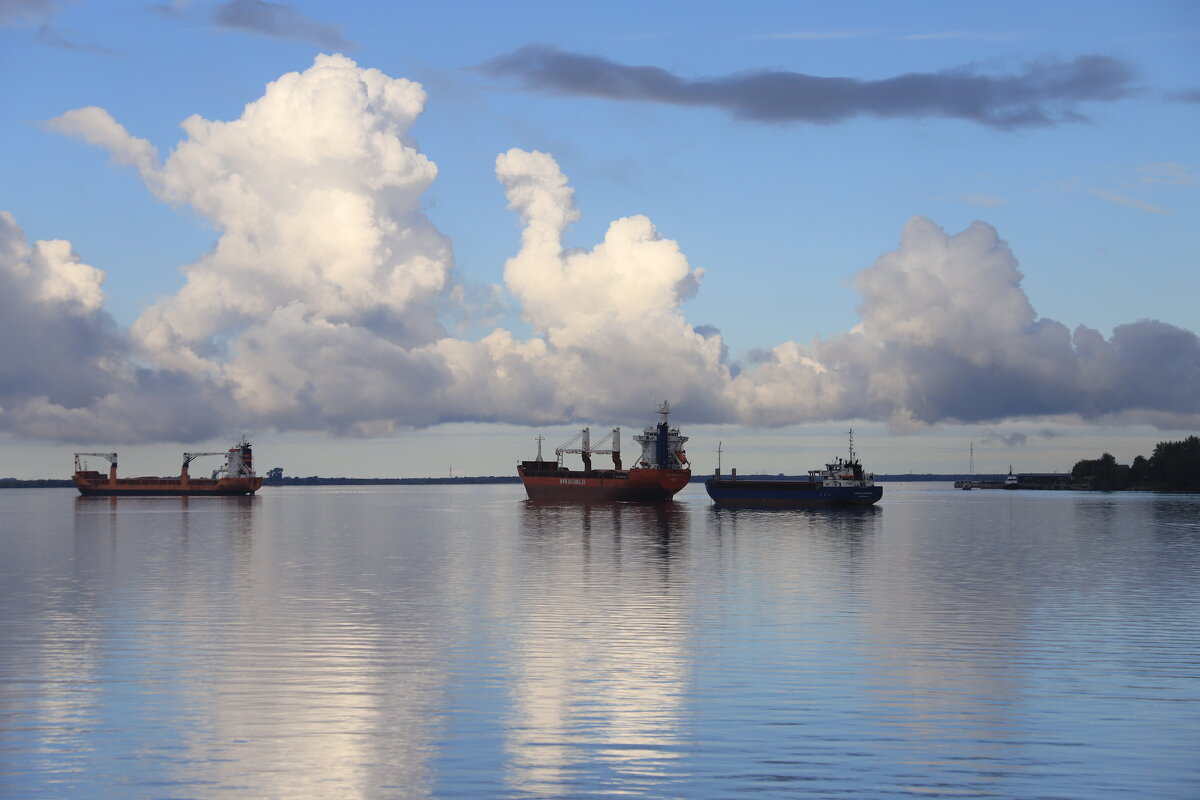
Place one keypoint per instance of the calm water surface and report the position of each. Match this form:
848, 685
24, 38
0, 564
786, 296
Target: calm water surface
460, 642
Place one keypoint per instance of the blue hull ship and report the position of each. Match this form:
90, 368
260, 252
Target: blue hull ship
842, 482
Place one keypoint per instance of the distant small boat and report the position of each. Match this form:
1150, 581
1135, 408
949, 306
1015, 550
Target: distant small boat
1010, 482
842, 482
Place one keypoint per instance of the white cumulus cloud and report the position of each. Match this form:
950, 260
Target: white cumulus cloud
948, 333
320, 306
59, 342
323, 248
610, 315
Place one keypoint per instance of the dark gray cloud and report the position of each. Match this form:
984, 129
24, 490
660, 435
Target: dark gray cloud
1015, 439
26, 12
1187, 96
1041, 94
278, 20
48, 34
168, 10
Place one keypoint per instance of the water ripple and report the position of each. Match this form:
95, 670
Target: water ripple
455, 642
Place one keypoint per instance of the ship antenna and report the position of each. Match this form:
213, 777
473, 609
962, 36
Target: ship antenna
719, 456
852, 444
539, 441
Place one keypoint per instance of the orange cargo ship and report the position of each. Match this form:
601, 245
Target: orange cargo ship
662, 468
235, 478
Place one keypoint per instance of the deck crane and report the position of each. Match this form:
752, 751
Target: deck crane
112, 461
586, 450
188, 458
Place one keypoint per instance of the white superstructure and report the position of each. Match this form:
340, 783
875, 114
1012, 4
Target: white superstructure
845, 473
662, 445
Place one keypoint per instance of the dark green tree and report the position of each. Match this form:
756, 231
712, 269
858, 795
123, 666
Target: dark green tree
1102, 473
1139, 470
1176, 465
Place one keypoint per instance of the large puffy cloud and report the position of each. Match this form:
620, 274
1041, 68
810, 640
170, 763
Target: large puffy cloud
947, 333
610, 315
65, 369
324, 257
59, 342
316, 191
318, 307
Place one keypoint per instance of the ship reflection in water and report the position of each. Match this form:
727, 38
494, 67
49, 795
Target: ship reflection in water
450, 641
600, 654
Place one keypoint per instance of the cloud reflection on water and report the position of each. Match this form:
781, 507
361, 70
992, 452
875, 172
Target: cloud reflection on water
601, 661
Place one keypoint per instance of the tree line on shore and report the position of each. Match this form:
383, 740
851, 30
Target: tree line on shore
1173, 467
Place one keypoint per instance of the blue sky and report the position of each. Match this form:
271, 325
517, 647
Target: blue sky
784, 149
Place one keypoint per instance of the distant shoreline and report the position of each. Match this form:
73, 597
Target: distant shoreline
314, 480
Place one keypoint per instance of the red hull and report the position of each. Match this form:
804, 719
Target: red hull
93, 484
546, 482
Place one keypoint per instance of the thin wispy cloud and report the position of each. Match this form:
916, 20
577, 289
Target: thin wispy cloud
985, 200
864, 33
970, 36
1125, 200
1042, 94
819, 35
280, 21
1166, 172
48, 34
